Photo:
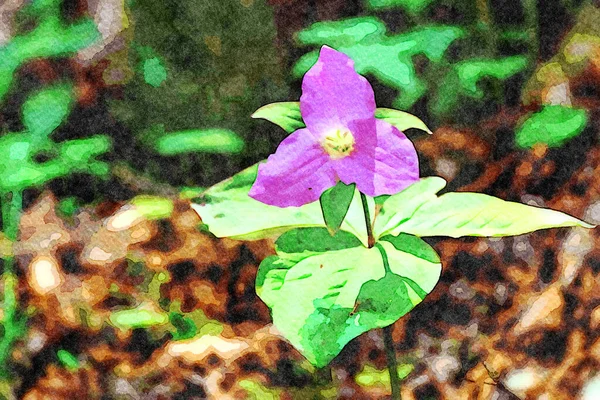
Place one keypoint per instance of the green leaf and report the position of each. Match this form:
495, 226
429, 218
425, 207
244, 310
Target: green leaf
155, 72
552, 126
44, 111
335, 203
401, 120
389, 58
229, 212
207, 140
143, 316
413, 245
419, 211
322, 300
286, 115
411, 6
68, 360
316, 240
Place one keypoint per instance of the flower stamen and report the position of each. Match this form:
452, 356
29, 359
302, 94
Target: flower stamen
338, 143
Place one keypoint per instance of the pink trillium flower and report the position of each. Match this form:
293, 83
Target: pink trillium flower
342, 141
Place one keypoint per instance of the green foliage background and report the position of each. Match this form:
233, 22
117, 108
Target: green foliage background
221, 65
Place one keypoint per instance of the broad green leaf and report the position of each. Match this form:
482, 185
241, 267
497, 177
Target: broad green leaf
397, 209
413, 245
419, 274
389, 58
229, 212
286, 115
155, 72
419, 211
205, 140
322, 300
315, 240
411, 6
375, 303
335, 203
463, 78
401, 120
552, 126
44, 111
143, 316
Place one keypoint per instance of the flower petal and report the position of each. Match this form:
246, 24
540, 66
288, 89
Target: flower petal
387, 167
333, 94
297, 174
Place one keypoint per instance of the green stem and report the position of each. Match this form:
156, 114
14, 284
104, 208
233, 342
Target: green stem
371, 238
387, 331
388, 340
11, 209
390, 353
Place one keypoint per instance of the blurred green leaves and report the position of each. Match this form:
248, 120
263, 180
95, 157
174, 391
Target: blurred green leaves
392, 59
155, 72
50, 38
42, 113
388, 57
195, 73
68, 360
199, 140
463, 77
370, 376
143, 316
411, 6
552, 126
153, 207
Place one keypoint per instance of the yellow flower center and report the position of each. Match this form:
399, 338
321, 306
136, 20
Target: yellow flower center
338, 143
